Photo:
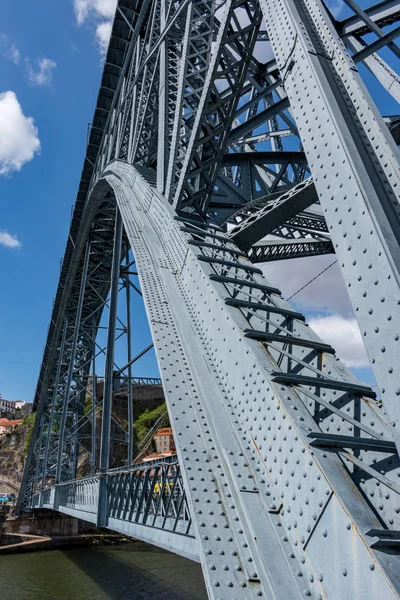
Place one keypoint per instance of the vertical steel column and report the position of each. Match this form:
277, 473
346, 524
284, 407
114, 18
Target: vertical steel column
72, 362
109, 366
129, 358
109, 375
53, 405
94, 399
37, 468
134, 102
75, 445
162, 107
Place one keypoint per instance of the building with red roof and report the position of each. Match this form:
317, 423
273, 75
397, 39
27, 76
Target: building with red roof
6, 425
164, 440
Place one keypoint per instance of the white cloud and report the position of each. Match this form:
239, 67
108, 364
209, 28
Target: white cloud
9, 50
18, 135
326, 294
102, 12
324, 301
81, 8
344, 335
101, 8
14, 54
9, 241
103, 33
43, 75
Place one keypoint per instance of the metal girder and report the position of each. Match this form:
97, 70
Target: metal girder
168, 259
214, 111
249, 492
104, 462
364, 22
148, 495
269, 250
274, 214
259, 119
65, 420
370, 172
383, 39
382, 13
155, 115
260, 158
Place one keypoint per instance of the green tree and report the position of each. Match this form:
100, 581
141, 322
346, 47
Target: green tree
28, 421
147, 419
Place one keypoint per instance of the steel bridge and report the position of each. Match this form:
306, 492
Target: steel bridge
228, 133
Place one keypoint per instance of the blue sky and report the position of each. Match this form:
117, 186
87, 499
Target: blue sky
50, 59
37, 200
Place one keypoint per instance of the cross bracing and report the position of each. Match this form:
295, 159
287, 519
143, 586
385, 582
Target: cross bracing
223, 132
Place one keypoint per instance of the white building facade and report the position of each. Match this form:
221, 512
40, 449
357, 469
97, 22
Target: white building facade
6, 407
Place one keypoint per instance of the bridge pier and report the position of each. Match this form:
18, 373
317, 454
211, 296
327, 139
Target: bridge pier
48, 522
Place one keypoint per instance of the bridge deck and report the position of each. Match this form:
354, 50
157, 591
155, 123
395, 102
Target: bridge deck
146, 501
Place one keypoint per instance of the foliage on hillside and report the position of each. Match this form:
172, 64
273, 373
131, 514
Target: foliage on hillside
14, 445
28, 422
147, 419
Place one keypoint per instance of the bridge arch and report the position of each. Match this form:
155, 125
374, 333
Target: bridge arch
201, 295
285, 481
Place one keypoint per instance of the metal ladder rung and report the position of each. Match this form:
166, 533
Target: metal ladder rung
197, 223
265, 336
350, 388
216, 247
332, 440
230, 263
214, 236
384, 538
252, 284
264, 307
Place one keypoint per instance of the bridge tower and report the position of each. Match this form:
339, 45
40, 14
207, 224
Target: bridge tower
229, 133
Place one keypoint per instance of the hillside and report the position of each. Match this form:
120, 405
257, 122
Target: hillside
13, 449
148, 402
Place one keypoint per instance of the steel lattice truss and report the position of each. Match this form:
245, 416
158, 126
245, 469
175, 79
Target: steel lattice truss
225, 134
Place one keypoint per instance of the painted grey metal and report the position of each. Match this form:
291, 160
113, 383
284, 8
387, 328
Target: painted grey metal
129, 357
287, 467
366, 175
269, 250
61, 439
274, 212
145, 501
230, 373
94, 408
104, 461
53, 408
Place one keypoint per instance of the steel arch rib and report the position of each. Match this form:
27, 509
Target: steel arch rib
232, 477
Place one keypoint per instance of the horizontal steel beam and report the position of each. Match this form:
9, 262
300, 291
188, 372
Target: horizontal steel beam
268, 218
263, 158
330, 440
283, 250
383, 13
258, 120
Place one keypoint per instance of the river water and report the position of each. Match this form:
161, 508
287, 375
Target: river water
134, 571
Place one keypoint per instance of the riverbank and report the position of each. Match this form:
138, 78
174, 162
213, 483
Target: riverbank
20, 542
